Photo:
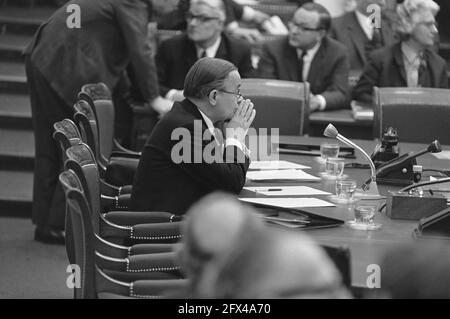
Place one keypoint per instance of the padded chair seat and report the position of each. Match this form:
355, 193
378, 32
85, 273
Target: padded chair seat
142, 233
157, 288
120, 169
130, 218
131, 277
109, 295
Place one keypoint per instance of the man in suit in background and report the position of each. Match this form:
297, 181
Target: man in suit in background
59, 61
204, 38
185, 157
359, 33
411, 62
308, 54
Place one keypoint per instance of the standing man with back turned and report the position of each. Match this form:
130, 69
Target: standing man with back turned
61, 58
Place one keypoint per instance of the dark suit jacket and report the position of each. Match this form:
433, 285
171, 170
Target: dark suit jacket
347, 30
176, 56
386, 69
112, 34
162, 185
328, 74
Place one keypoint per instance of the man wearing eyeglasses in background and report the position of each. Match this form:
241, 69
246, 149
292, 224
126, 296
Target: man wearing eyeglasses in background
204, 37
308, 54
410, 63
177, 166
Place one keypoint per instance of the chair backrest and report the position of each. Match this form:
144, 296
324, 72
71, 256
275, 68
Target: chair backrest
279, 104
86, 121
284, 9
420, 115
66, 134
81, 161
80, 234
99, 98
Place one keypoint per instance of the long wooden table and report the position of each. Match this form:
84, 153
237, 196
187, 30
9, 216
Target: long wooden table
367, 247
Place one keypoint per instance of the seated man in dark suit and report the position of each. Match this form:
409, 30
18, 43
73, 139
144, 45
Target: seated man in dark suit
359, 33
308, 54
183, 158
235, 13
204, 37
410, 63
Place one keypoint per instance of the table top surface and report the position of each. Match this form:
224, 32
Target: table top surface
367, 247
339, 117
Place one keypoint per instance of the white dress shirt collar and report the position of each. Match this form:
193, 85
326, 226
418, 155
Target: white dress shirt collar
366, 24
308, 58
411, 55
208, 122
210, 51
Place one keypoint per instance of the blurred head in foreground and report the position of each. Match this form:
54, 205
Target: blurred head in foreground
229, 253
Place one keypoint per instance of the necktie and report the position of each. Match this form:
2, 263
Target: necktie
300, 66
377, 38
203, 54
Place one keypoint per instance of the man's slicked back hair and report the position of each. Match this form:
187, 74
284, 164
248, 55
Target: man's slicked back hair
206, 75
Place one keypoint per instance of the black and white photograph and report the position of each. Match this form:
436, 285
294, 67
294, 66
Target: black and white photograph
214, 157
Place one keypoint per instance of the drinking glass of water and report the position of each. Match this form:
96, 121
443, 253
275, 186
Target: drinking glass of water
328, 150
364, 218
334, 168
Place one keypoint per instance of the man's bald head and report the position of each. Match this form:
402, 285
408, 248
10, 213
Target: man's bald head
214, 227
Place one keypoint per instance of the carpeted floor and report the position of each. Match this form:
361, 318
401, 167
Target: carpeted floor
29, 269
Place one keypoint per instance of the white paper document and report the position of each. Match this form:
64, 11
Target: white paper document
444, 155
286, 174
274, 165
289, 202
286, 191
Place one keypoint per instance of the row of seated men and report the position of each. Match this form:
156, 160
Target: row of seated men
398, 52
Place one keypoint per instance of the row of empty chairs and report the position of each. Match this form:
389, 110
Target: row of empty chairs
121, 253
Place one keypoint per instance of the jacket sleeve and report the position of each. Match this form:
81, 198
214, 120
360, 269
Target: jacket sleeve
132, 16
211, 171
337, 93
368, 80
245, 66
266, 65
444, 78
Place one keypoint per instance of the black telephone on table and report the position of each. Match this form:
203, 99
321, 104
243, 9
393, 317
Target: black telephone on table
388, 149
399, 171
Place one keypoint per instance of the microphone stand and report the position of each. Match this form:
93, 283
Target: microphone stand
370, 191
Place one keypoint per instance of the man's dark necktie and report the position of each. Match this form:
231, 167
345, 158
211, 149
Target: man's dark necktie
203, 55
300, 66
376, 42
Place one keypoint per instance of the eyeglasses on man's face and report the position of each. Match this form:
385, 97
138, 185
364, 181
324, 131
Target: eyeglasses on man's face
200, 18
238, 93
294, 25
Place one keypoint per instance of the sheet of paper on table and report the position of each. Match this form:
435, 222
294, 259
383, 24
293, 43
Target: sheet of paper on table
274, 165
286, 174
289, 202
444, 155
286, 191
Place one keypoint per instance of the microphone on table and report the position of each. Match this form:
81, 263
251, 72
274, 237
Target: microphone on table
371, 188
